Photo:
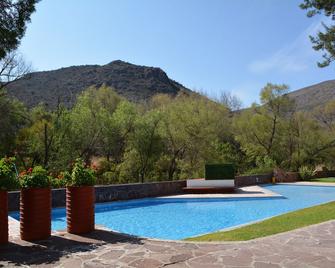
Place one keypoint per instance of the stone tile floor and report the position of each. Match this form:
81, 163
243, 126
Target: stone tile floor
312, 246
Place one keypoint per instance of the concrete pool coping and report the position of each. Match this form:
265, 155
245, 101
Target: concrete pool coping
242, 192
309, 183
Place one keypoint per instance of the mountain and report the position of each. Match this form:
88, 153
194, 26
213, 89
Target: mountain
310, 97
134, 82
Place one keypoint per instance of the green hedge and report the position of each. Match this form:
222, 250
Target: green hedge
219, 172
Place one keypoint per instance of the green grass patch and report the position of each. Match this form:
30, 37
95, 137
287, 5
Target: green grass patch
324, 180
275, 225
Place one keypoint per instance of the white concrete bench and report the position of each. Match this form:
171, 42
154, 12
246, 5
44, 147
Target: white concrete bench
202, 183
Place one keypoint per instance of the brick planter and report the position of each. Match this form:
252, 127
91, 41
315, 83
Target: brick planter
80, 209
3, 217
35, 214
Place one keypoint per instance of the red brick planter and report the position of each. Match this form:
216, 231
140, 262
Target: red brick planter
35, 214
3, 217
80, 209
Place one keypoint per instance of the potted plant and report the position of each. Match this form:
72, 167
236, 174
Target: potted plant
35, 204
80, 199
8, 181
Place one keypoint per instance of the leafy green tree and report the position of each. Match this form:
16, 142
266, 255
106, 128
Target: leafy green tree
145, 145
37, 141
13, 116
116, 128
87, 120
260, 129
14, 14
323, 41
192, 129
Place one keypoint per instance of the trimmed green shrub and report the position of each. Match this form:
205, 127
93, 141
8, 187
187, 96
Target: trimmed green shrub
8, 178
219, 172
306, 173
36, 177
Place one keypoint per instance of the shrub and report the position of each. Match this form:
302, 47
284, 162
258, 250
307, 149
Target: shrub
264, 165
306, 173
109, 177
36, 177
8, 178
81, 176
102, 166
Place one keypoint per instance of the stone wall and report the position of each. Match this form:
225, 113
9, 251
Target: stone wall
324, 173
248, 180
112, 193
285, 176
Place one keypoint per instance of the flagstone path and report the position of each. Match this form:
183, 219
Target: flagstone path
312, 246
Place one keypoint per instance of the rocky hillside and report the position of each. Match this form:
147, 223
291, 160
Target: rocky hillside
310, 97
134, 82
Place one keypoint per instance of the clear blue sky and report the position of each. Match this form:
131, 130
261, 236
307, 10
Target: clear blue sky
207, 45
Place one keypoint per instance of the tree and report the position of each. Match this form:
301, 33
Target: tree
87, 121
14, 14
192, 129
116, 128
145, 141
12, 68
260, 129
12, 117
38, 141
324, 41
230, 101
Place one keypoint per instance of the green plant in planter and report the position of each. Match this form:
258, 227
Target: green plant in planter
8, 178
81, 176
36, 177
62, 180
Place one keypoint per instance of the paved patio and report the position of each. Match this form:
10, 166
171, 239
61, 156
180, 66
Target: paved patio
312, 246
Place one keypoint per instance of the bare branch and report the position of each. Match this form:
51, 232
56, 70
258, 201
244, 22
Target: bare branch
12, 68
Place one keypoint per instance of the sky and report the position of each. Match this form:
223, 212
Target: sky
211, 46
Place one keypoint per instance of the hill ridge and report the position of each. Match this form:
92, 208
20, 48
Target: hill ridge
134, 82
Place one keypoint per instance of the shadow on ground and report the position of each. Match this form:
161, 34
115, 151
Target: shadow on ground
49, 251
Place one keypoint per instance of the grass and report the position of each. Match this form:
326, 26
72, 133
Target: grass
324, 179
275, 225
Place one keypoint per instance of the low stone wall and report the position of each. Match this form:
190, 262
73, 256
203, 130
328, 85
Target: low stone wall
109, 193
324, 174
248, 180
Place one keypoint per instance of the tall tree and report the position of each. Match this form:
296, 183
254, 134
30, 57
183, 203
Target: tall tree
14, 14
12, 118
260, 129
324, 41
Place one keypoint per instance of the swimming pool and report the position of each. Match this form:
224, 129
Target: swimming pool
179, 218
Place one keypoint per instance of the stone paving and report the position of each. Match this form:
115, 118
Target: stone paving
312, 246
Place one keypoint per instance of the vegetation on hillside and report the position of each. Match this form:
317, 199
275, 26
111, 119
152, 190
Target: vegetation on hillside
168, 138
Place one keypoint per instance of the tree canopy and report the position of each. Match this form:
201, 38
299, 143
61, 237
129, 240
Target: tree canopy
323, 41
14, 14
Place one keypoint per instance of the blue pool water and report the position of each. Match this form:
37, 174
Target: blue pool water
177, 218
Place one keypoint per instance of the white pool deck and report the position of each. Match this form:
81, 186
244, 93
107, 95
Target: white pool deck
242, 192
